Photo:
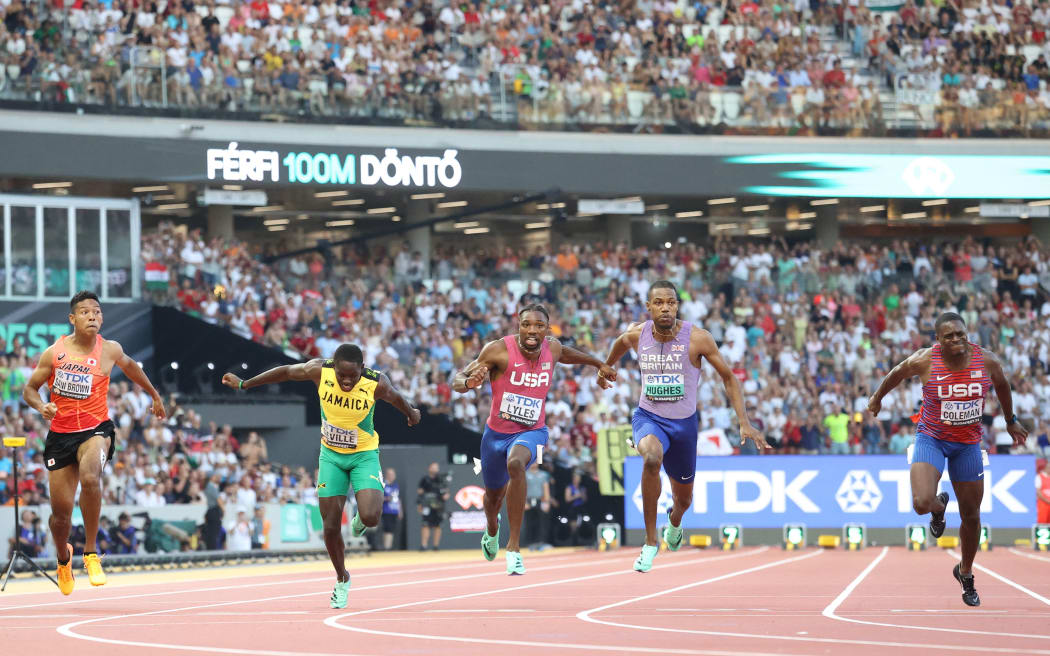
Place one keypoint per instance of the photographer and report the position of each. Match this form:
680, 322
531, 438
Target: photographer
432, 493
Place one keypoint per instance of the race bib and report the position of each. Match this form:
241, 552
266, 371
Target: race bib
664, 387
520, 409
72, 385
338, 438
961, 413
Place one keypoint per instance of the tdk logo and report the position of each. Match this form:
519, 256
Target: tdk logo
78, 378
530, 379
663, 379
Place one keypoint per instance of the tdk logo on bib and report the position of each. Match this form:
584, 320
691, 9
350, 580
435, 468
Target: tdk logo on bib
664, 379
530, 379
77, 378
959, 390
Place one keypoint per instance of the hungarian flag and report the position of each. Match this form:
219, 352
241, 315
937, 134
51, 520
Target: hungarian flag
156, 276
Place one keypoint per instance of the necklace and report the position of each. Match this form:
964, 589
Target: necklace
521, 349
657, 333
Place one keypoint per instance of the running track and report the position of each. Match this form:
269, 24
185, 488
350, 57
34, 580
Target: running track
753, 601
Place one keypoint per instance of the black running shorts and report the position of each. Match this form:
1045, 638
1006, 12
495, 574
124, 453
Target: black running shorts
60, 449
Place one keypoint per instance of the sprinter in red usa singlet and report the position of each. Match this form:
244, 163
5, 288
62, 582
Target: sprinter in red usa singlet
521, 369
956, 375
76, 370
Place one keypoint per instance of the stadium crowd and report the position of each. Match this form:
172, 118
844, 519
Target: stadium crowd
741, 62
808, 332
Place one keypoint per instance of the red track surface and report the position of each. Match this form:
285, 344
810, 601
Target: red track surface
752, 601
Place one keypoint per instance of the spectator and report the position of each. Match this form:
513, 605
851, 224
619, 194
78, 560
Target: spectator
538, 504
260, 529
838, 423
240, 535
125, 535
392, 512
575, 500
432, 494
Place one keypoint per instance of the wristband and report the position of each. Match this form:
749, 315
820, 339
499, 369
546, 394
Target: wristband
240, 385
1013, 419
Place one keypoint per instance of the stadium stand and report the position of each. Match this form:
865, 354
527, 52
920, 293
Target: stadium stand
946, 68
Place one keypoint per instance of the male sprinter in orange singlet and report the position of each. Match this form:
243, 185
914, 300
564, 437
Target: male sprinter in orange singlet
76, 369
956, 374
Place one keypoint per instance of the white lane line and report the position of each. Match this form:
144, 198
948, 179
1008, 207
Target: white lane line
1000, 577
960, 611
1018, 552
481, 610
41, 617
256, 613
585, 615
354, 576
334, 621
329, 578
68, 629
713, 610
829, 611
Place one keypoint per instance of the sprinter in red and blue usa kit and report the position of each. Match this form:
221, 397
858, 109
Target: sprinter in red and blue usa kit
956, 375
520, 369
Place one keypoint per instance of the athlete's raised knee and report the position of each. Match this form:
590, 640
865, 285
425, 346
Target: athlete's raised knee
60, 520
369, 518
515, 467
653, 461
922, 505
90, 480
683, 502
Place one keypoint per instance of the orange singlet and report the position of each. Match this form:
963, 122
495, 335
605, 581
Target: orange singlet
78, 387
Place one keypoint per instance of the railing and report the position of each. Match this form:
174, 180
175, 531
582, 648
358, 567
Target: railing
140, 80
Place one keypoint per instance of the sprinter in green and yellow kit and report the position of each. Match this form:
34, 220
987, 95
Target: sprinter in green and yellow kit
349, 442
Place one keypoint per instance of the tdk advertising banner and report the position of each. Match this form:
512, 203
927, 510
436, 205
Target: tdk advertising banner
769, 491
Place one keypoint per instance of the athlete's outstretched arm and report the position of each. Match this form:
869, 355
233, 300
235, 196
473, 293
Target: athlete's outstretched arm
569, 355
133, 371
914, 365
1006, 398
31, 391
385, 391
619, 348
475, 373
310, 370
705, 346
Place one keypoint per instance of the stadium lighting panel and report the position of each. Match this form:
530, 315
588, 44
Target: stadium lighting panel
731, 535
608, 536
855, 536
794, 536
1041, 537
985, 539
915, 536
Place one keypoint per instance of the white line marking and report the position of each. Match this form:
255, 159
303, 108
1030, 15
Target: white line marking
42, 616
1012, 584
366, 574
334, 621
1028, 555
829, 612
257, 613
67, 629
481, 610
713, 610
585, 615
963, 611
